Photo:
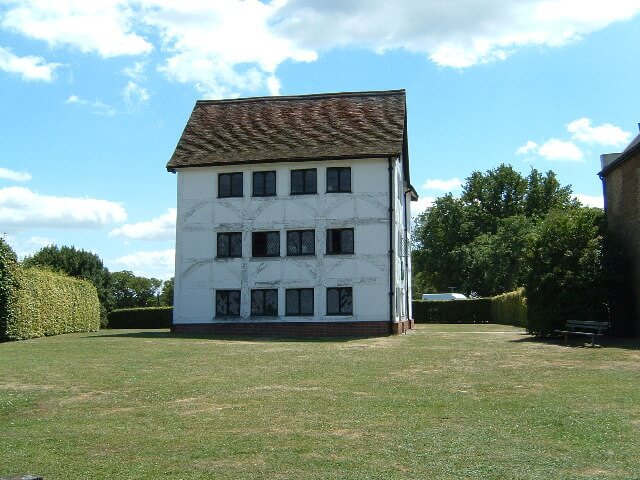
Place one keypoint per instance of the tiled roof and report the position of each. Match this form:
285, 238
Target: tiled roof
268, 129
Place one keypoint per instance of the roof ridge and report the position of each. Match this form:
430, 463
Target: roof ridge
380, 93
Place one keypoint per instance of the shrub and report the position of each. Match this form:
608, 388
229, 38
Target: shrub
48, 303
458, 311
149, 317
509, 308
567, 276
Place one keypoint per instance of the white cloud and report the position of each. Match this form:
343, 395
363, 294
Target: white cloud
134, 95
222, 47
273, 84
605, 135
591, 200
159, 228
136, 71
158, 263
39, 242
102, 26
455, 34
14, 176
527, 148
228, 47
421, 205
443, 185
97, 107
561, 151
21, 208
29, 68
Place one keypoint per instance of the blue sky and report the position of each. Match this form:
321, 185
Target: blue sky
94, 96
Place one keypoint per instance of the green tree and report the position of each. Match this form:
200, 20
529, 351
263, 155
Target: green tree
475, 243
166, 295
566, 277
495, 263
131, 291
77, 263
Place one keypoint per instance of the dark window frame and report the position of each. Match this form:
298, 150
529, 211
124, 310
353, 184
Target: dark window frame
232, 193
266, 244
263, 181
340, 187
340, 291
341, 250
305, 172
299, 234
228, 254
263, 305
226, 293
299, 312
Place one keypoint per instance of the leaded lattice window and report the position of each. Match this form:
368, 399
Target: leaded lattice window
339, 240
304, 181
264, 184
301, 242
229, 244
340, 301
264, 302
339, 179
299, 301
265, 244
230, 185
227, 303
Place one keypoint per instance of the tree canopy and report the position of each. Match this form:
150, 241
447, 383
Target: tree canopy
476, 243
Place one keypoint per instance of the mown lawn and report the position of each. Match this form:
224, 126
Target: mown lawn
447, 401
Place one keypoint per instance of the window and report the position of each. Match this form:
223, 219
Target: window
264, 302
339, 240
301, 242
299, 301
340, 301
230, 244
339, 179
303, 181
266, 244
227, 303
264, 184
229, 185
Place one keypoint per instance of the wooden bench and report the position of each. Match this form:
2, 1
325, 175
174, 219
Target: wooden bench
584, 328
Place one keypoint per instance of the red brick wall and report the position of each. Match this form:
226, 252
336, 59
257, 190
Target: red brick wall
622, 203
297, 329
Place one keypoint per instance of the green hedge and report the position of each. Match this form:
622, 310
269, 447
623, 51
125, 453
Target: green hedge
8, 285
47, 303
457, 311
510, 309
149, 317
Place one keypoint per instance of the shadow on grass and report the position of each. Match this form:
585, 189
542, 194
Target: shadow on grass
160, 334
576, 342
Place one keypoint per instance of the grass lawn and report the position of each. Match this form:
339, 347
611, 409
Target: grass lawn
446, 401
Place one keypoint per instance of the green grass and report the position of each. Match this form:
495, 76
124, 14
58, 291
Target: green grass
446, 401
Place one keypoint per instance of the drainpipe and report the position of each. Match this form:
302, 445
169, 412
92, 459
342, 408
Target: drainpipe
391, 253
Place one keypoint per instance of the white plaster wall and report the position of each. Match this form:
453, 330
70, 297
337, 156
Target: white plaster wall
201, 215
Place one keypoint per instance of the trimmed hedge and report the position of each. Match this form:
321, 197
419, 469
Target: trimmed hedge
47, 303
510, 309
8, 285
476, 310
146, 317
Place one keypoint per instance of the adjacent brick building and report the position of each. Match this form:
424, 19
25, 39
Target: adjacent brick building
294, 216
620, 176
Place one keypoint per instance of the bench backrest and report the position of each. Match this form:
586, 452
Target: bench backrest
587, 325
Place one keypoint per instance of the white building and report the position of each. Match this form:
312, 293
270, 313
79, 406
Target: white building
294, 216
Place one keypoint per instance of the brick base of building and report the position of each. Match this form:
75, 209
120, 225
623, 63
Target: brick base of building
298, 329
